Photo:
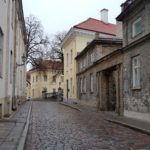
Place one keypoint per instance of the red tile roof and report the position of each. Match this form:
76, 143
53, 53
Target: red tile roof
48, 65
95, 25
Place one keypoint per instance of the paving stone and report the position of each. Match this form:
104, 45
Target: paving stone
54, 126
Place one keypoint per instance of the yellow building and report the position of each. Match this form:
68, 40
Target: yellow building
75, 41
28, 86
47, 77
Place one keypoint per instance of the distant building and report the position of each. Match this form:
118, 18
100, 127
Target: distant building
12, 50
135, 17
99, 75
76, 40
46, 78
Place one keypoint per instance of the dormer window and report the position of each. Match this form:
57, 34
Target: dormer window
137, 27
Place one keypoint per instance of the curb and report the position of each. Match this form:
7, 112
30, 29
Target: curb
73, 107
24, 133
142, 130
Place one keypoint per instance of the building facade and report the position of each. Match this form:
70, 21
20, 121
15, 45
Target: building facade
47, 78
98, 74
75, 41
135, 17
12, 48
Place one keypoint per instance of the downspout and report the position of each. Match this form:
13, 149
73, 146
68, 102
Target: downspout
14, 107
8, 49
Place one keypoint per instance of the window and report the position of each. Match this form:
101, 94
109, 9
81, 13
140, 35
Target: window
84, 62
36, 78
137, 27
71, 57
81, 64
1, 52
81, 85
92, 57
91, 83
45, 78
54, 78
136, 72
84, 88
67, 59
62, 78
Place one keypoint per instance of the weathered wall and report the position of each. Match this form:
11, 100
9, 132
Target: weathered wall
137, 100
143, 11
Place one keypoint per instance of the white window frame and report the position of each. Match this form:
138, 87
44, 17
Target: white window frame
136, 72
134, 25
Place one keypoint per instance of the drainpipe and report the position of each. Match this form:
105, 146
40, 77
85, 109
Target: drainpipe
14, 107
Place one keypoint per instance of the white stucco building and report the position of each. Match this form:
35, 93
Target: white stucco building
12, 48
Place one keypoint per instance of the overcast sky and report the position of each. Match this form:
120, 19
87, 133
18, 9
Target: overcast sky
59, 15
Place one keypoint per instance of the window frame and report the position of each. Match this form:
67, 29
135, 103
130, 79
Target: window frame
81, 85
84, 84
91, 83
136, 68
139, 19
45, 78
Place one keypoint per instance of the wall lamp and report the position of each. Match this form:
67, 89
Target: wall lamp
23, 57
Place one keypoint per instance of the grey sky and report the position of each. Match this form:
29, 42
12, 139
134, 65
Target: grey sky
59, 15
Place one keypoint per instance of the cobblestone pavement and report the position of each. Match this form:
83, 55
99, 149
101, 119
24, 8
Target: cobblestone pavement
57, 127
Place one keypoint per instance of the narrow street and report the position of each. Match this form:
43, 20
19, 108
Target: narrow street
57, 127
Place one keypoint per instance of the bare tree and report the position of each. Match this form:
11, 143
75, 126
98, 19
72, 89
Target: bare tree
56, 52
36, 40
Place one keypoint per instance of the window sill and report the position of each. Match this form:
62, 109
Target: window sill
136, 88
137, 35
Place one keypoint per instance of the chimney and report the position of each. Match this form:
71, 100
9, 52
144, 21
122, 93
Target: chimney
104, 15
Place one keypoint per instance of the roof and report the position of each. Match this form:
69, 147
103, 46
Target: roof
99, 41
45, 65
99, 26
127, 7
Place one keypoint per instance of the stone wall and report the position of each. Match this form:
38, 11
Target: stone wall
137, 100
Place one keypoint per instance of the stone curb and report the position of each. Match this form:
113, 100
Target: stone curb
25, 131
68, 105
142, 130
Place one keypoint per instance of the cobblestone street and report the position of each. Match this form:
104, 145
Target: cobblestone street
57, 127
